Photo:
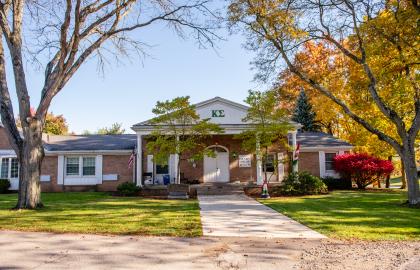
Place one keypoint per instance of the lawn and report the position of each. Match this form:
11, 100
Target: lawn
354, 214
101, 213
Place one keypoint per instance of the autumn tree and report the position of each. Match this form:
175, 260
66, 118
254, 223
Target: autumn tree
304, 114
179, 130
54, 124
60, 36
378, 42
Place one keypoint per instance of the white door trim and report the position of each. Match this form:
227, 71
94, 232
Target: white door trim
216, 170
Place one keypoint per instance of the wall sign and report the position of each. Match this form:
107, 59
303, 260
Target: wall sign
244, 161
218, 113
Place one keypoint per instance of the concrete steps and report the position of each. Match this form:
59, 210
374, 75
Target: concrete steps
219, 189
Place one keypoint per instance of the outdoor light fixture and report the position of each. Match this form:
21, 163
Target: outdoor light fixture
234, 155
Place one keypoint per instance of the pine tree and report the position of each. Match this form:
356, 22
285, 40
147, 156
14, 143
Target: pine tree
304, 114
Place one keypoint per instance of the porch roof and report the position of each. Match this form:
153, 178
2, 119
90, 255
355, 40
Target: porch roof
320, 140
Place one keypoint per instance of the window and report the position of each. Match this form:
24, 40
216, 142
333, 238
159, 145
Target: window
14, 168
9, 168
329, 158
269, 163
88, 166
162, 169
72, 166
4, 168
80, 166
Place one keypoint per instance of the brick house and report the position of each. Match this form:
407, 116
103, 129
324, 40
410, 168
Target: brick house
100, 162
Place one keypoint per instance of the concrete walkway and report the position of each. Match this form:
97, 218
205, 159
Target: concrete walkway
240, 216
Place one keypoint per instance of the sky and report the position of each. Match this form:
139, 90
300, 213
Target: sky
127, 92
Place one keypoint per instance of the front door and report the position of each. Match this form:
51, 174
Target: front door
216, 169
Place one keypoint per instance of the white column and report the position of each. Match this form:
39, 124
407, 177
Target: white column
260, 178
294, 145
176, 157
60, 170
139, 163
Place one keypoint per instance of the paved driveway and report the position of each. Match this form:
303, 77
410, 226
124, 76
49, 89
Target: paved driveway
25, 250
240, 216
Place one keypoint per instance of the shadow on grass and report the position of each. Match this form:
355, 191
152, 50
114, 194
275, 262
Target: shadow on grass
102, 213
354, 214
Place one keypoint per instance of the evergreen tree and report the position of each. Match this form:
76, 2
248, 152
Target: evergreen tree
304, 114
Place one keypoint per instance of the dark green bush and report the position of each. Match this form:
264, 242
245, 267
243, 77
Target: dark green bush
4, 185
334, 183
303, 184
128, 189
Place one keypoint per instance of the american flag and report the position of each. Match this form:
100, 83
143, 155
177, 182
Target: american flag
131, 160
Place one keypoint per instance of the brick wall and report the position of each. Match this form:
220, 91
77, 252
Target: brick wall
309, 162
49, 167
116, 164
4, 140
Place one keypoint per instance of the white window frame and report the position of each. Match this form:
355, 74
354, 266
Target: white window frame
9, 167
323, 165
80, 167
325, 162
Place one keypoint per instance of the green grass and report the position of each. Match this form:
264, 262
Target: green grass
354, 214
100, 213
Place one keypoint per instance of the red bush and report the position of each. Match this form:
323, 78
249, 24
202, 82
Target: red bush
363, 169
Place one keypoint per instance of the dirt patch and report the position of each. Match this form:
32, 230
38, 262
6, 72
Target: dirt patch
343, 255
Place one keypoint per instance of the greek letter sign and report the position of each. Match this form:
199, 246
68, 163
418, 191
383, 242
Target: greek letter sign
218, 113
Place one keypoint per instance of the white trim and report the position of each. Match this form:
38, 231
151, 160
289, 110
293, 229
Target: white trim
321, 164
217, 145
280, 166
7, 152
80, 179
89, 152
259, 164
139, 160
295, 168
323, 172
98, 168
221, 100
207, 159
330, 148
60, 170
110, 177
150, 164
45, 178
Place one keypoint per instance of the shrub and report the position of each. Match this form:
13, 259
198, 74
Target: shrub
362, 168
4, 185
128, 189
337, 183
303, 184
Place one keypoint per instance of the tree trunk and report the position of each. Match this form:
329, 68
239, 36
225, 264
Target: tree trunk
30, 157
403, 178
388, 178
409, 161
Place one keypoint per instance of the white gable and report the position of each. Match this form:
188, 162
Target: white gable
222, 111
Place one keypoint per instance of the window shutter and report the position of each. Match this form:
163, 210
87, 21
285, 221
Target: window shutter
149, 164
321, 164
98, 169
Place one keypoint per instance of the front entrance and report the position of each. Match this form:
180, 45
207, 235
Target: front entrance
216, 169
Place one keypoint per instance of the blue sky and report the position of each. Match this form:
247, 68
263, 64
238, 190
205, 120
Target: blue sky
127, 92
